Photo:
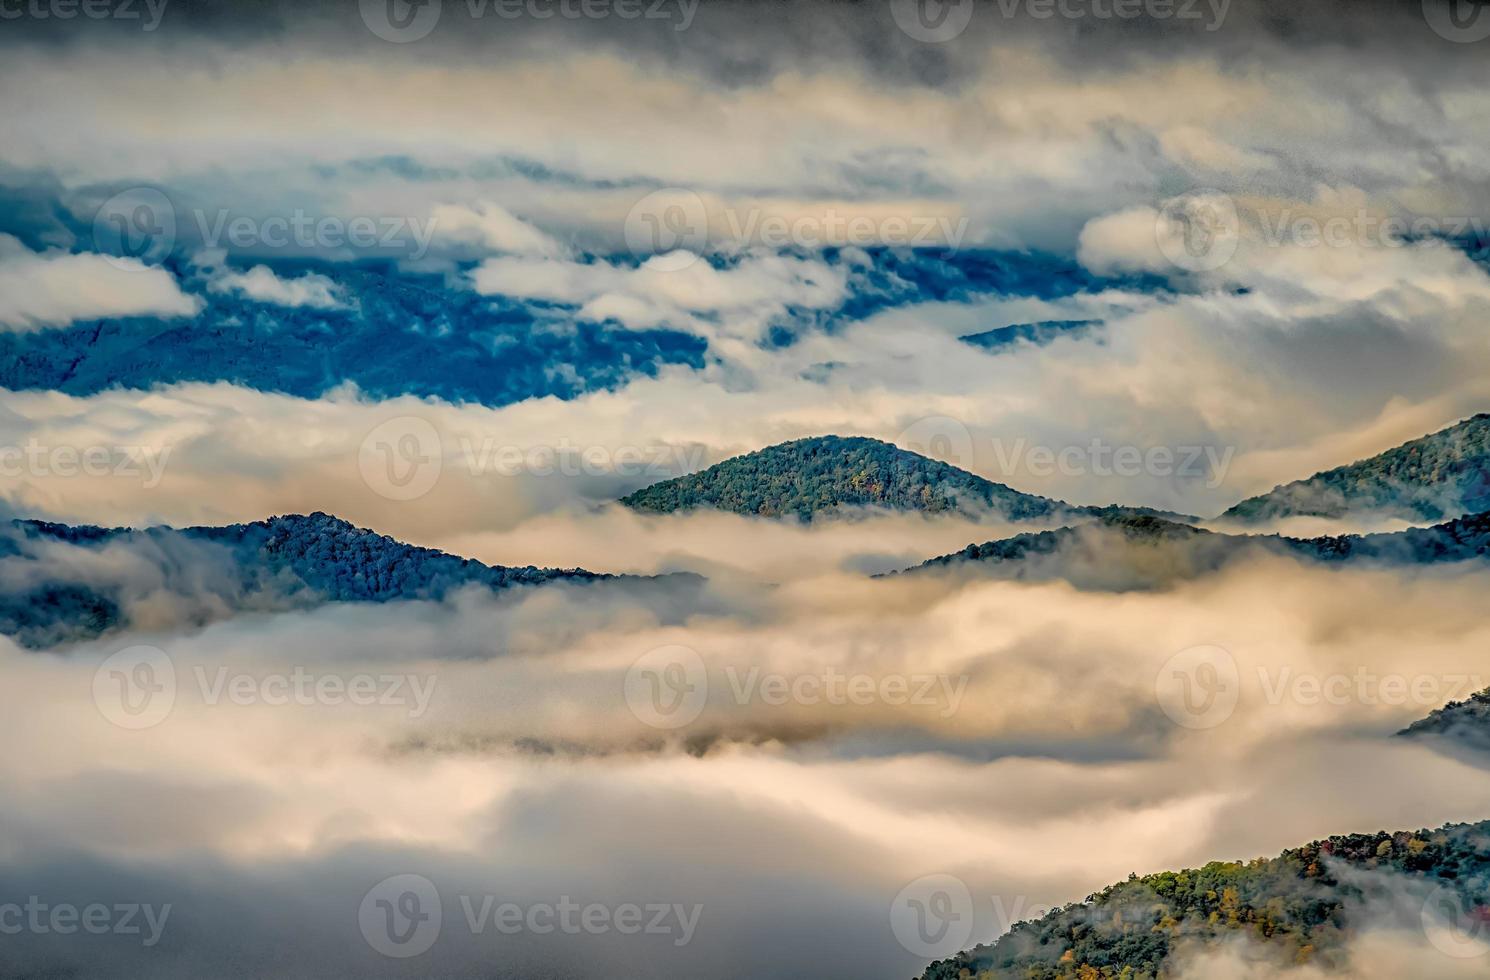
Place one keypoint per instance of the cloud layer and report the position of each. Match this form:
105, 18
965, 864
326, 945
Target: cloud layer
468, 288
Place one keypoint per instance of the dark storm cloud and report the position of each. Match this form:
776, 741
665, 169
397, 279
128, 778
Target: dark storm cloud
744, 42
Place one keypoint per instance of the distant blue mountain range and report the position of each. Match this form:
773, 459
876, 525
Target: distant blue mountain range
403, 333
400, 335
1038, 334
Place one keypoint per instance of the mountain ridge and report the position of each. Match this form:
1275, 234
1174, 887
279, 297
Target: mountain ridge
1186, 550
285, 561
1299, 907
808, 477
1434, 477
1465, 723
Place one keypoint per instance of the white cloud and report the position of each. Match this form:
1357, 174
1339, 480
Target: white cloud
676, 289
1125, 241
1028, 149
1056, 751
262, 285
542, 279
53, 289
1059, 748
493, 228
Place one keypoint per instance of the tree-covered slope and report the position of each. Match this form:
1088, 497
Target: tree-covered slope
1464, 723
1433, 478
60, 583
1125, 552
1300, 907
807, 478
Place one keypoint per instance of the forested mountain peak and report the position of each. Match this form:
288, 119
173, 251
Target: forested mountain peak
1441, 475
1140, 551
1300, 907
808, 478
1465, 723
62, 584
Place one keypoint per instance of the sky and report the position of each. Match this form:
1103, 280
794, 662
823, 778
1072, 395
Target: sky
466, 272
